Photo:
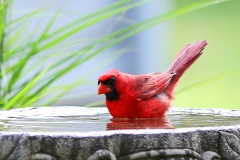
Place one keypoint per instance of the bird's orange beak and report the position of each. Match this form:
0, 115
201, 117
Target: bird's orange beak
103, 89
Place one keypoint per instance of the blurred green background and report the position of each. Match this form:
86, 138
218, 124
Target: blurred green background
52, 52
215, 77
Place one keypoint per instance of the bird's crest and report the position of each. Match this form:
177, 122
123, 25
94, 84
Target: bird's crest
109, 74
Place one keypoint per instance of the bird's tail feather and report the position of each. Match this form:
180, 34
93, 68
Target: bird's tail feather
187, 56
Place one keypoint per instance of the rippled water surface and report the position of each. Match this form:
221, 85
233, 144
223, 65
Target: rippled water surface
82, 119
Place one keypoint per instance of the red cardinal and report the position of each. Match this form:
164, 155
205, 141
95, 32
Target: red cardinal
146, 95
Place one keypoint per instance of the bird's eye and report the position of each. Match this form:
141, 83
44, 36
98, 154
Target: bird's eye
113, 79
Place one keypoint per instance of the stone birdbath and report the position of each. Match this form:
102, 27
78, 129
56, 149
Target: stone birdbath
81, 133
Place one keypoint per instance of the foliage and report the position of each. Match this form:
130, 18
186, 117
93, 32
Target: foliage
27, 70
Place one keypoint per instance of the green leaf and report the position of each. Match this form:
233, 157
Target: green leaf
24, 90
27, 85
97, 18
24, 17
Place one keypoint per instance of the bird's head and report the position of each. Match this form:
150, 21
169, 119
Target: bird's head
107, 84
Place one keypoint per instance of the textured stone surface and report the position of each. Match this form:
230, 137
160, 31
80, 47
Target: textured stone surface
179, 144
205, 143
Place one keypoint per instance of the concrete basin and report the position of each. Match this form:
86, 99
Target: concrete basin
80, 133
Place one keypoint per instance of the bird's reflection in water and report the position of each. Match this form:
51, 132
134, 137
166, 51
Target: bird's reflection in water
151, 123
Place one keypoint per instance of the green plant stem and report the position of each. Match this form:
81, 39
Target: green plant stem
3, 16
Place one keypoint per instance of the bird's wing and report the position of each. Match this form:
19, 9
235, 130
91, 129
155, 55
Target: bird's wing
152, 84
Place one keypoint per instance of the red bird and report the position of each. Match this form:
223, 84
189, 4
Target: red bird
146, 95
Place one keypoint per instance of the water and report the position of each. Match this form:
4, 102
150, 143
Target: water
82, 119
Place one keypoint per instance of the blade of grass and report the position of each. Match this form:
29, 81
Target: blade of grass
89, 16
35, 49
24, 90
119, 36
140, 26
24, 83
23, 17
97, 18
19, 48
48, 27
14, 38
137, 28
3, 11
133, 30
2, 27
4, 86
16, 75
65, 89
143, 25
